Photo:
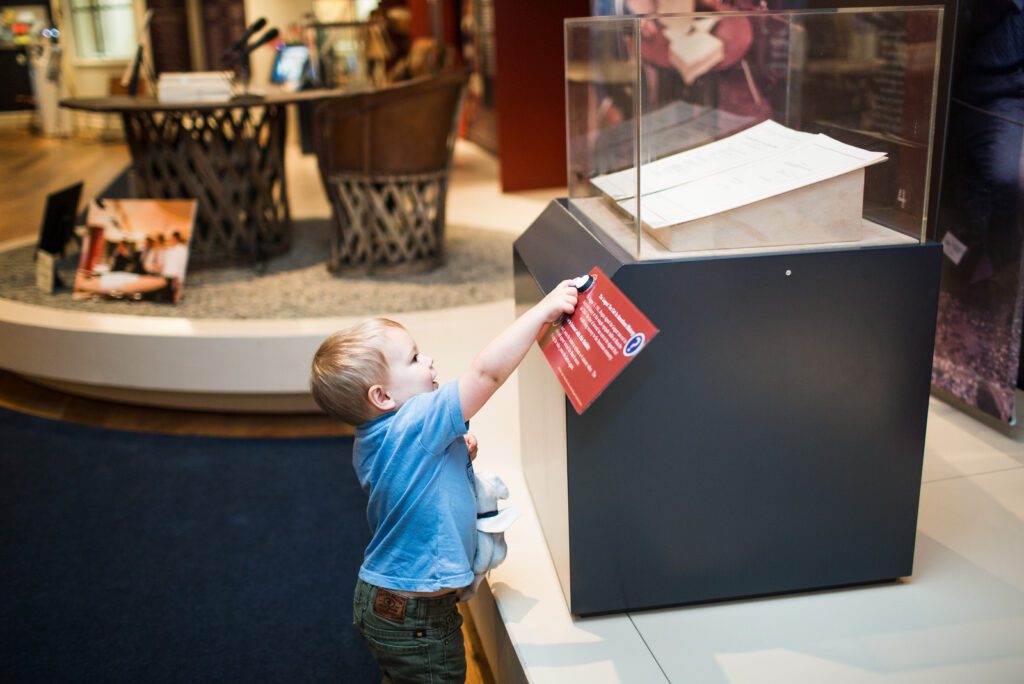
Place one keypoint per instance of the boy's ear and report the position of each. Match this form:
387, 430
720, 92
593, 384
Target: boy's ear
379, 398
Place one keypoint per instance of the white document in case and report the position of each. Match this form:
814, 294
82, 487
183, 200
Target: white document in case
748, 146
758, 163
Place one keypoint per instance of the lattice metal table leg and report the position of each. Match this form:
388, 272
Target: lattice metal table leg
391, 224
232, 161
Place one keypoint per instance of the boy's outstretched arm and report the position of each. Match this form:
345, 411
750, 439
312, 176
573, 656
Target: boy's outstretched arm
491, 368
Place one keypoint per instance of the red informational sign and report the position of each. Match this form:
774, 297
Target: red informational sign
590, 348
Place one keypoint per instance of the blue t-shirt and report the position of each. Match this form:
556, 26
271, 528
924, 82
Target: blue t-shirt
414, 466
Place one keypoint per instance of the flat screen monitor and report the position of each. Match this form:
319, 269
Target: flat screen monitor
290, 64
59, 219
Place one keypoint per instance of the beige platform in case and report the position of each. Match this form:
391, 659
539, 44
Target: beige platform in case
826, 212
603, 217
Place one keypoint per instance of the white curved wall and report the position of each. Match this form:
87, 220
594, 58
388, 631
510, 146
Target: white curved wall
209, 364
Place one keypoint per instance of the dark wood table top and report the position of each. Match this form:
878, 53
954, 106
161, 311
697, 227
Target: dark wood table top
148, 103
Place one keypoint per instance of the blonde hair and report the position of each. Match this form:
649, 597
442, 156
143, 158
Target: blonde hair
346, 366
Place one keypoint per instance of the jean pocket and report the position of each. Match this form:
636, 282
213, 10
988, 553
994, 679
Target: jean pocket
448, 627
401, 660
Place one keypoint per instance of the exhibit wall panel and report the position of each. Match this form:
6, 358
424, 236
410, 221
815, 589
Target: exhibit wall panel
978, 353
530, 91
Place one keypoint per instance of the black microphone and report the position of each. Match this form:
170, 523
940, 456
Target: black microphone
239, 44
270, 35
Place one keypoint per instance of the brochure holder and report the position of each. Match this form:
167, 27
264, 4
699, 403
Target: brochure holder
57, 229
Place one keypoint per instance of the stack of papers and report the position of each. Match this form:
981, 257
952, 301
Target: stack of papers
761, 162
194, 86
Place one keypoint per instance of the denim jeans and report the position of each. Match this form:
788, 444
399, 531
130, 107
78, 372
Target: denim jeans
414, 640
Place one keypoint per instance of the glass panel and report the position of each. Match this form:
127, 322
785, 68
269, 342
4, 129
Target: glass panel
868, 79
754, 131
601, 126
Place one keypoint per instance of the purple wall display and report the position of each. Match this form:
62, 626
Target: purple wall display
981, 214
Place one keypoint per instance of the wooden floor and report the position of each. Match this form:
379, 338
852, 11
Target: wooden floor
32, 167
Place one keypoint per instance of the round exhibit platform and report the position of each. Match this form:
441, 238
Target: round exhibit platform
242, 338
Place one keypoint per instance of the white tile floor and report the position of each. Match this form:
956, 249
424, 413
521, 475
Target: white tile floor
959, 618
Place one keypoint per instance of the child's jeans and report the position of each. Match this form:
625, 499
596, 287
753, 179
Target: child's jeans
413, 639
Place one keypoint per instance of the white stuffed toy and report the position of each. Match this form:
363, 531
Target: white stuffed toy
490, 528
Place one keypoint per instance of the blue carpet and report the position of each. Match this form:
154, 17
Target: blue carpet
131, 557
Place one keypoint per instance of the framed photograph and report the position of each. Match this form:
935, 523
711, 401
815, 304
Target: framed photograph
135, 250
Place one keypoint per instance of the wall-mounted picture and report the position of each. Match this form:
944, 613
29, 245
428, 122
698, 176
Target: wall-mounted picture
135, 250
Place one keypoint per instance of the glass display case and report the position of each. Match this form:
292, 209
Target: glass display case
756, 184
757, 130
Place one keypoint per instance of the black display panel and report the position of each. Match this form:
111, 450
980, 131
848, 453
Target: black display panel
59, 219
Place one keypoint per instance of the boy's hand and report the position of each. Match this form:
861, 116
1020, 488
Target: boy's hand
491, 368
471, 445
560, 301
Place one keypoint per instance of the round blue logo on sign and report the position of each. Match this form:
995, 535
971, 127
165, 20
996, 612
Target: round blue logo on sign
634, 344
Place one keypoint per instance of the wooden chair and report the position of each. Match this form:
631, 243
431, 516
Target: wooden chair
385, 161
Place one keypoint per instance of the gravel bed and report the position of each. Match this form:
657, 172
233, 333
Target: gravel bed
298, 285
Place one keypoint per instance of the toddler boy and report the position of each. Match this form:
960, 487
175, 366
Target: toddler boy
413, 458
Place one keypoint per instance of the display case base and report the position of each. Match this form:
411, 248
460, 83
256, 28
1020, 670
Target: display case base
769, 440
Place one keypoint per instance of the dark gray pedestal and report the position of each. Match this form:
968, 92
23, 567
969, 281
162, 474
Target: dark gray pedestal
769, 440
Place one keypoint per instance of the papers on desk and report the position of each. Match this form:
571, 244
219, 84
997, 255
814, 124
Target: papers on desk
763, 161
193, 86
